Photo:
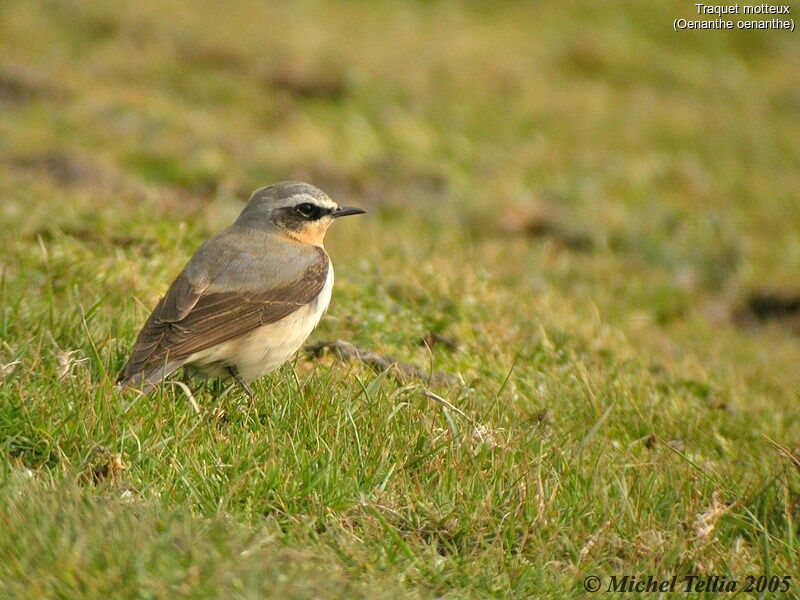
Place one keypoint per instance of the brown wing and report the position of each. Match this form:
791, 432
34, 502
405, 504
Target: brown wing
187, 320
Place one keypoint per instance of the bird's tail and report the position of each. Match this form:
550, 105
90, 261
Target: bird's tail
145, 381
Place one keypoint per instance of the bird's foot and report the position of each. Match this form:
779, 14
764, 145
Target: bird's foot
242, 383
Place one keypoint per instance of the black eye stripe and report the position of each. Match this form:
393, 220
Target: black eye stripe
310, 211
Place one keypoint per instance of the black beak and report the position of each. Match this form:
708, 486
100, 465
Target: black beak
343, 211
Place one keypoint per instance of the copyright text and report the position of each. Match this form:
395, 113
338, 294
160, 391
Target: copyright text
687, 584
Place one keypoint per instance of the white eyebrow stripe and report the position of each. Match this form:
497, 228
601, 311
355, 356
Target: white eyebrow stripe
322, 202
300, 198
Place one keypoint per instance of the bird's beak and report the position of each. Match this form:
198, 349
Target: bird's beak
343, 211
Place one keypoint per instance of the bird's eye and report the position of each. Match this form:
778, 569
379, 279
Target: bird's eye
306, 209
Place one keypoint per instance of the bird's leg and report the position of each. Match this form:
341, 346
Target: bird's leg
238, 379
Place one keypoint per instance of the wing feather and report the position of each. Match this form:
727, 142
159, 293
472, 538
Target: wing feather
190, 318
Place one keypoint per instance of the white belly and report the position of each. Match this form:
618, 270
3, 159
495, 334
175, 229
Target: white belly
265, 349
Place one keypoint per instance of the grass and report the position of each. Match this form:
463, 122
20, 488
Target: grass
581, 198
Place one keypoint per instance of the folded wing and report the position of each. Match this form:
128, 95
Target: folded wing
191, 318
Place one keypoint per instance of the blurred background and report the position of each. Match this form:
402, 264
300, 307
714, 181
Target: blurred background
681, 147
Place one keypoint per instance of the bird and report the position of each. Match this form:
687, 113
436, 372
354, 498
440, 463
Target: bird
248, 298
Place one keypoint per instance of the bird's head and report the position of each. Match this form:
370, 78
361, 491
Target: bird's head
298, 210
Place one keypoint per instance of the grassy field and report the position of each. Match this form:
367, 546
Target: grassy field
596, 218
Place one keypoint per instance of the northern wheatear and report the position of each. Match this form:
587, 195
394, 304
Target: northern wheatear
249, 297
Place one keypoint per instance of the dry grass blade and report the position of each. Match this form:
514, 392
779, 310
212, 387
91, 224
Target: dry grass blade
188, 393
8, 368
784, 450
437, 398
705, 523
66, 362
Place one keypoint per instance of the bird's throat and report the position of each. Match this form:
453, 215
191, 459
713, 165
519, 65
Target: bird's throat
311, 233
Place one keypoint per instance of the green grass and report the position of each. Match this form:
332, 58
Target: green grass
582, 198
